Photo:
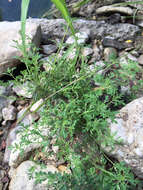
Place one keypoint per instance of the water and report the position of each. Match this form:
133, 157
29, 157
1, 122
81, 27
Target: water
11, 10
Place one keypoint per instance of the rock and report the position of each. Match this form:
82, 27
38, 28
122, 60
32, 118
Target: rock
20, 180
29, 118
97, 52
82, 37
134, 53
114, 18
3, 90
86, 51
113, 9
87, 10
3, 103
125, 57
125, 90
34, 137
140, 60
11, 99
26, 90
49, 49
110, 53
139, 23
9, 113
9, 32
128, 128
110, 42
12, 136
54, 28
93, 67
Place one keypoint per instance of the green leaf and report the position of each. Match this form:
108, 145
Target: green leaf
61, 6
24, 10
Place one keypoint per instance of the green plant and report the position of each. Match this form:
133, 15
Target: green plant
77, 106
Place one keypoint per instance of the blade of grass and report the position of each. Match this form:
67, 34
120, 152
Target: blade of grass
61, 6
24, 10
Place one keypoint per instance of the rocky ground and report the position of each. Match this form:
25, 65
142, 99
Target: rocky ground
104, 30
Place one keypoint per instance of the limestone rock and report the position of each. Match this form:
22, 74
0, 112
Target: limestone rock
129, 129
20, 179
9, 32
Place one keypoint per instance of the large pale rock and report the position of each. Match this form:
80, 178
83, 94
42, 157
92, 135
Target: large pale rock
10, 32
20, 179
129, 128
55, 28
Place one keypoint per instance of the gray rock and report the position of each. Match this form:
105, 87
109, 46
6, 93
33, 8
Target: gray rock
5, 98
9, 113
9, 32
49, 49
139, 23
129, 129
3, 103
3, 90
20, 178
110, 42
125, 90
54, 28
